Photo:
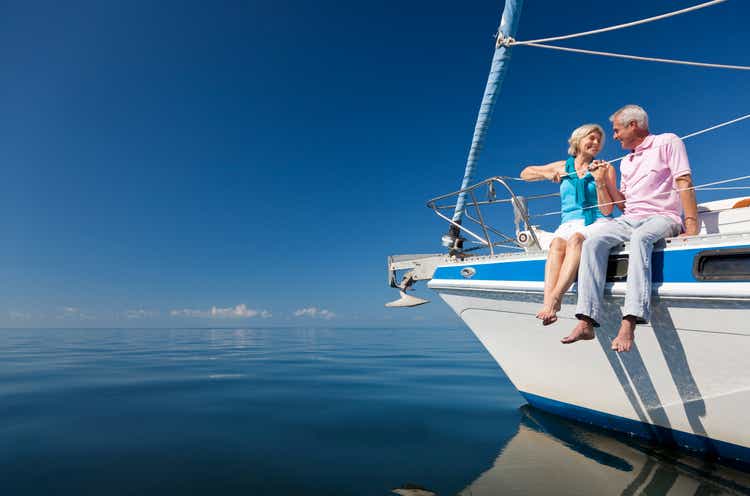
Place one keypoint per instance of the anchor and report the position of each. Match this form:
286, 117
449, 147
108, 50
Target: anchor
406, 300
417, 268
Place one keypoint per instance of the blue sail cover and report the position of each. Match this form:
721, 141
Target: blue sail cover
500, 61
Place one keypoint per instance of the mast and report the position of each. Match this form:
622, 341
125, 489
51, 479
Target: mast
500, 61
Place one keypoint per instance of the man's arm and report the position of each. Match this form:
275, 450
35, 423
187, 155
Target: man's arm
614, 194
689, 205
606, 178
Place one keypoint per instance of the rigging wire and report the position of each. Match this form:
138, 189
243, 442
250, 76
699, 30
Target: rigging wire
637, 57
618, 26
508, 41
683, 138
699, 187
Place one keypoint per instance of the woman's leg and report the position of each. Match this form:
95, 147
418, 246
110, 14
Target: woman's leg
555, 259
568, 270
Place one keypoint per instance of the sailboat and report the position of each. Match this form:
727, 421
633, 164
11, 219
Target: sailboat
686, 383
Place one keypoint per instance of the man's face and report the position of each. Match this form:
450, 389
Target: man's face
626, 134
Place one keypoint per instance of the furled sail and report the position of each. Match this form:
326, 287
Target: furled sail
500, 61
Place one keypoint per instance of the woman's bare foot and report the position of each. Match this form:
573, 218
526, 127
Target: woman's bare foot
584, 330
548, 313
625, 336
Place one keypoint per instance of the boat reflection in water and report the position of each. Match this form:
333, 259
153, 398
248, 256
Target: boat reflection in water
550, 455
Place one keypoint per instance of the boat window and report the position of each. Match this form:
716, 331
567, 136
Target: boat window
617, 269
722, 265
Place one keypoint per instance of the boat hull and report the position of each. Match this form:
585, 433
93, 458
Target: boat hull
685, 383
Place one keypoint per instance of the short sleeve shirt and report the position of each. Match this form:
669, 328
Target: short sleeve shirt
648, 177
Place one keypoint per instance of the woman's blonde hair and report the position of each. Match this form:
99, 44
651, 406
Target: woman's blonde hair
581, 132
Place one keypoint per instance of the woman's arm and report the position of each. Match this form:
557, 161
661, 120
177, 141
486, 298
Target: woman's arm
551, 172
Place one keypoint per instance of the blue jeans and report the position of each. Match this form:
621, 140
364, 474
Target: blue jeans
592, 273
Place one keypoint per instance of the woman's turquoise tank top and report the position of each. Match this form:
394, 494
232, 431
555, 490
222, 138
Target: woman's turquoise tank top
578, 193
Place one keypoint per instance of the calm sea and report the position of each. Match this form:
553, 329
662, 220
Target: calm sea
302, 412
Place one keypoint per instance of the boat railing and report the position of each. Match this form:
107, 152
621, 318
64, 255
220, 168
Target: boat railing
485, 194
714, 217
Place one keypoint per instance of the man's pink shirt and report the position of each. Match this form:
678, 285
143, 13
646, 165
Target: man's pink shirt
648, 177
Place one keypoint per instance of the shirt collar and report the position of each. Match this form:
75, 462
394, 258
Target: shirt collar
646, 143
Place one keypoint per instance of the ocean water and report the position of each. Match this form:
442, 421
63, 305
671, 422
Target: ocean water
302, 412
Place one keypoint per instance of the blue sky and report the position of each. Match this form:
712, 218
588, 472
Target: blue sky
253, 163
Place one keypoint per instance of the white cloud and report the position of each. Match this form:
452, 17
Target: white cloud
139, 314
315, 313
73, 313
189, 312
19, 315
236, 312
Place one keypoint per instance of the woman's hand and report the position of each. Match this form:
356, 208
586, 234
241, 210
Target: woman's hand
553, 175
598, 169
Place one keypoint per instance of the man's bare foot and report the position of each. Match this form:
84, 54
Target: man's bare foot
625, 336
584, 330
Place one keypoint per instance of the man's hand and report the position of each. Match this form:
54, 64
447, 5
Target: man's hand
692, 227
598, 169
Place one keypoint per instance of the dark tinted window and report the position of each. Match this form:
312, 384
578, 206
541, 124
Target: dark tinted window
617, 269
722, 265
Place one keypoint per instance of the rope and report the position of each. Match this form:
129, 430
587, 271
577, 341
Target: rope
687, 136
683, 138
613, 28
698, 187
636, 57
508, 41
717, 126
725, 188
723, 181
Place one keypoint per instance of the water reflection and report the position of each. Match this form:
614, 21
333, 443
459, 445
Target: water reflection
550, 455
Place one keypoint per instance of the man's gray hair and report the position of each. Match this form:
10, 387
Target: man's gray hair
630, 113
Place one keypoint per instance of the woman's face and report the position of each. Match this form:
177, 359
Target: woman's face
591, 144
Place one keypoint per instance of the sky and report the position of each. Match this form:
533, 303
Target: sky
253, 163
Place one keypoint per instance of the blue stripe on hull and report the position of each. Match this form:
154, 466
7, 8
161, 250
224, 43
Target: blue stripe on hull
669, 437
668, 266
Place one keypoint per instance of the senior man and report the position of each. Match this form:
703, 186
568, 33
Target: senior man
655, 190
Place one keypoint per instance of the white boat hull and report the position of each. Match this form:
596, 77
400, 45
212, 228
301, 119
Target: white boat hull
686, 381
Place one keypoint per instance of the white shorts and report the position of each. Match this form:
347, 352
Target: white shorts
568, 229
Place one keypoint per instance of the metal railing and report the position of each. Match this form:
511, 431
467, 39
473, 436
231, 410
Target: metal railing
521, 240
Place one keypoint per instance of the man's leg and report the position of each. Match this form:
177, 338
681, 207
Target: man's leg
638, 292
592, 274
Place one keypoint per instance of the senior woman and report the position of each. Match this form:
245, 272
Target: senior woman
584, 184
